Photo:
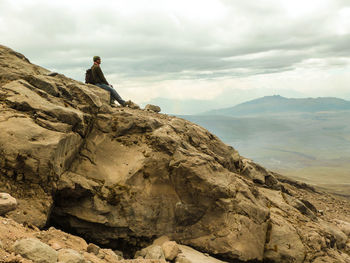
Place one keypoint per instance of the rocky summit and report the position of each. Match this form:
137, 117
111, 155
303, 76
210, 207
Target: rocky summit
122, 177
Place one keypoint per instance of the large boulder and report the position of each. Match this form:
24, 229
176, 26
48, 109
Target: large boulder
283, 242
170, 249
7, 203
150, 107
151, 252
35, 250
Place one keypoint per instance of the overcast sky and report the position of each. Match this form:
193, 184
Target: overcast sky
189, 48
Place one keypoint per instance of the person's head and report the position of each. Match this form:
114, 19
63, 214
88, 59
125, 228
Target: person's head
97, 59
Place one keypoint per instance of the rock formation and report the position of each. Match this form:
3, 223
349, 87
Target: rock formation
122, 177
7, 203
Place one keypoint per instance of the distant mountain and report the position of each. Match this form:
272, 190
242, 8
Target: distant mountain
228, 98
277, 104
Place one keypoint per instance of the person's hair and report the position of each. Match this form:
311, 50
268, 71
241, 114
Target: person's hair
96, 58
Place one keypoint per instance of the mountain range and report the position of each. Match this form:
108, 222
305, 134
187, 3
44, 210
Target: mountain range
303, 138
227, 98
280, 105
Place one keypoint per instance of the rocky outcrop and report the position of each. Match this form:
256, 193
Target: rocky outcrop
7, 203
35, 250
150, 107
122, 177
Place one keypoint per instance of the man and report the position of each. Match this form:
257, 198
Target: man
100, 81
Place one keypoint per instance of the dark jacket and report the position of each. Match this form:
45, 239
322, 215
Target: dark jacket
97, 75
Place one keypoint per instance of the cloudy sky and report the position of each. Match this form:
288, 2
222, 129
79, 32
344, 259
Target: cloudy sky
190, 49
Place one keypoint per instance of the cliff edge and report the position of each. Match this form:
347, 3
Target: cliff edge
122, 177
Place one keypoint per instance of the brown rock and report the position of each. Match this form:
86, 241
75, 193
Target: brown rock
283, 242
343, 226
170, 249
7, 203
35, 250
150, 107
151, 252
161, 240
92, 248
70, 256
189, 255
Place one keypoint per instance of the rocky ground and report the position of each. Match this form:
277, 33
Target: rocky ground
122, 177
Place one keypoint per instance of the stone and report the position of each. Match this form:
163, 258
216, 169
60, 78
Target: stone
108, 255
343, 226
119, 253
190, 255
70, 256
56, 246
151, 252
334, 234
7, 203
92, 248
254, 171
283, 242
150, 107
160, 240
1, 245
170, 249
35, 250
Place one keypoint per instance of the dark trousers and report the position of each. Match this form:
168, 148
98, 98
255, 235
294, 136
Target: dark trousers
113, 92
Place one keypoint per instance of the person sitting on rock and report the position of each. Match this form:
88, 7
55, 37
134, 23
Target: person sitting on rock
100, 81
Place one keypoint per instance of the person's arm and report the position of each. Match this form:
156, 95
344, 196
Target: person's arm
101, 76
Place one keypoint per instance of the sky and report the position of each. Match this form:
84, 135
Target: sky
222, 51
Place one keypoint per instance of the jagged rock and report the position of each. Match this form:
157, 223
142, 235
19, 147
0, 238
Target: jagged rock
254, 171
70, 256
151, 252
170, 249
283, 242
343, 226
151, 107
333, 256
334, 234
189, 255
7, 203
35, 250
299, 205
119, 253
92, 248
161, 240
108, 255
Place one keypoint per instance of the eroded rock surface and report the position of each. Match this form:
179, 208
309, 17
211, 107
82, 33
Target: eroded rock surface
7, 203
35, 250
122, 177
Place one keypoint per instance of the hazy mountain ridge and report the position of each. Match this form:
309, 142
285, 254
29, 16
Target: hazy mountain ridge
228, 98
308, 139
280, 105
